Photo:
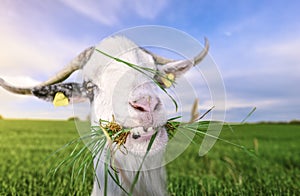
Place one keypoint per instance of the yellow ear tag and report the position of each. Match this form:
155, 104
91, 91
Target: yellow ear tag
60, 100
168, 79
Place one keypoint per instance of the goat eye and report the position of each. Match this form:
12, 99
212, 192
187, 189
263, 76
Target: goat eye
89, 86
90, 89
158, 80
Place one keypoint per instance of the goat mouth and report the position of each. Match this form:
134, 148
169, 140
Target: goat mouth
142, 134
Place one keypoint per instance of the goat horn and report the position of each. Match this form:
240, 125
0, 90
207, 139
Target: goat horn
203, 53
162, 60
75, 64
13, 89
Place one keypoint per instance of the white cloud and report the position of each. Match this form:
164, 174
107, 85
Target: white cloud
288, 48
239, 103
105, 12
39, 53
111, 12
33, 47
149, 8
24, 81
228, 33
28, 55
253, 54
280, 54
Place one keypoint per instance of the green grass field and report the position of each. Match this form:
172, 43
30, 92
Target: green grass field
25, 148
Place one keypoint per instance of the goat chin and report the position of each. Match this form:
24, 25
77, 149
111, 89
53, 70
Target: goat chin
152, 178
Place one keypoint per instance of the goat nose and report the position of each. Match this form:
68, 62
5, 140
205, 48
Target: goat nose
145, 104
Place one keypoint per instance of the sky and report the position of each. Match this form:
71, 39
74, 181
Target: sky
254, 43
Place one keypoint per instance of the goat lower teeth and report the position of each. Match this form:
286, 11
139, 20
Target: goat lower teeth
150, 129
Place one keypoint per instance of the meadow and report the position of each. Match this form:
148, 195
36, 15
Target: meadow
271, 168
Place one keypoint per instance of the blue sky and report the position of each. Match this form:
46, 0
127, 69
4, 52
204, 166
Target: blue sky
255, 44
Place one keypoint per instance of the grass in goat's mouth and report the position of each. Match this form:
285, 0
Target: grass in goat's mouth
113, 132
113, 136
102, 136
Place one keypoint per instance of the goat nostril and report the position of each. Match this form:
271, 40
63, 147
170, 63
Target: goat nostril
157, 106
139, 107
146, 104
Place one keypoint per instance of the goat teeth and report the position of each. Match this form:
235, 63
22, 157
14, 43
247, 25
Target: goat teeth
137, 130
150, 129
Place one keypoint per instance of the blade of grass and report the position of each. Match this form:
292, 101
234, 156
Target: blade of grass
174, 118
212, 136
203, 115
136, 177
250, 113
191, 139
117, 182
107, 156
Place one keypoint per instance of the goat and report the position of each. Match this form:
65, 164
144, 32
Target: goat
115, 89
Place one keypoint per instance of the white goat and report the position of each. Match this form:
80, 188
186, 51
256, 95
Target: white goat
114, 88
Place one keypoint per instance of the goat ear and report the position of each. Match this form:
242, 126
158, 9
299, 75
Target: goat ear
61, 94
173, 70
177, 68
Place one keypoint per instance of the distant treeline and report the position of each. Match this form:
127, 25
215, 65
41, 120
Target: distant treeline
294, 122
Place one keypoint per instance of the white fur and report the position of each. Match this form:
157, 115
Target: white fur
118, 85
152, 179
